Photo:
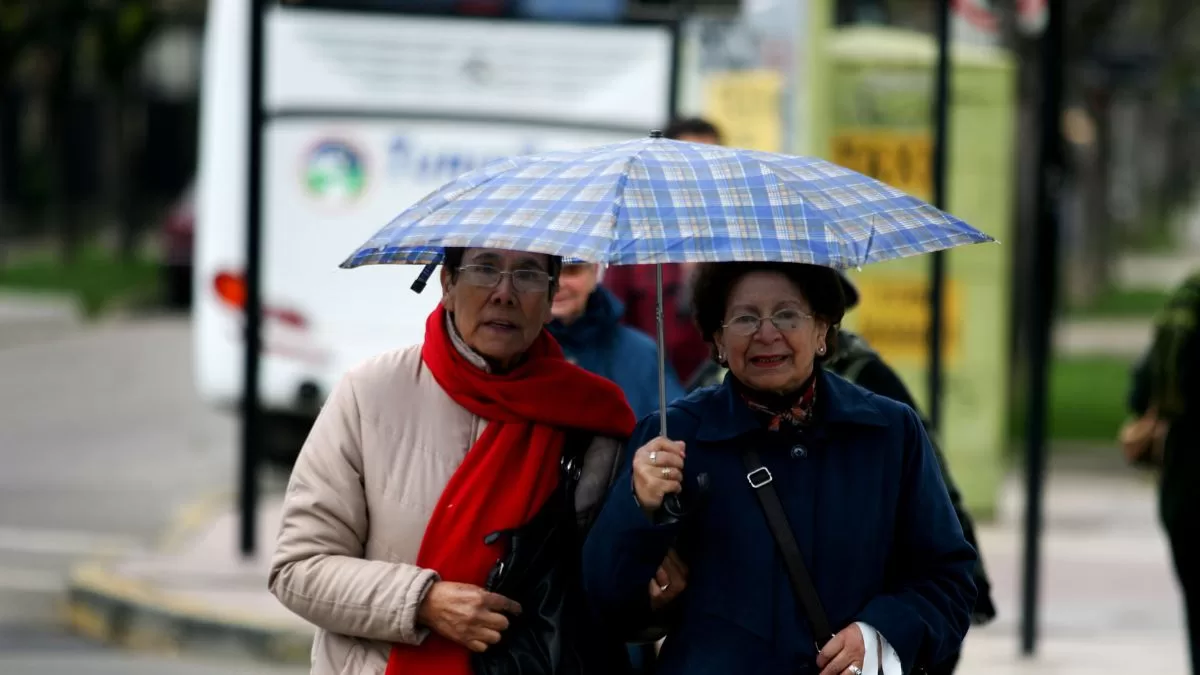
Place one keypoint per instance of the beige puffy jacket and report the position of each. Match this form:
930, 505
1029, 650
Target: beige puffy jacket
370, 474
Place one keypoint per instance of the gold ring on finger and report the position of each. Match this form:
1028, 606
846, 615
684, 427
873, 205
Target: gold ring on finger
666, 472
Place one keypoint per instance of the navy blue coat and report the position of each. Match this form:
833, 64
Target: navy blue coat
598, 342
865, 497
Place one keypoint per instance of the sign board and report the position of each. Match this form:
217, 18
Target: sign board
893, 316
605, 76
745, 106
899, 158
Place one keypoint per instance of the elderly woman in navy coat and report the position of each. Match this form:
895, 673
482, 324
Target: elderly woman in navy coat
857, 479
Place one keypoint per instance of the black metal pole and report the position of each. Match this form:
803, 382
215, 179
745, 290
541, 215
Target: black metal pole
937, 278
251, 414
1041, 300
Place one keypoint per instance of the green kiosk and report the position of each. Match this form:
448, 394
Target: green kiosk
880, 89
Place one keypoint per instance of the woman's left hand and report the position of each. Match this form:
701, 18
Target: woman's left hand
669, 581
844, 650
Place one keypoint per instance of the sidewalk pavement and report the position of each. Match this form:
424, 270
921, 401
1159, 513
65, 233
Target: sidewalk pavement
1109, 603
1103, 337
33, 317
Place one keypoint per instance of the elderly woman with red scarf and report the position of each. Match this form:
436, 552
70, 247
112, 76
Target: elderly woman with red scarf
422, 455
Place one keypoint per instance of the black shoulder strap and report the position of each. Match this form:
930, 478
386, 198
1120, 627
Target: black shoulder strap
806, 593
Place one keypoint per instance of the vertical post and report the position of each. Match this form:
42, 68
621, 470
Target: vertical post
1041, 300
251, 414
937, 280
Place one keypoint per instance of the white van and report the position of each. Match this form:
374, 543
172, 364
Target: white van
367, 111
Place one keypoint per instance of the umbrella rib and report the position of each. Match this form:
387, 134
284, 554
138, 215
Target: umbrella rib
619, 191
835, 225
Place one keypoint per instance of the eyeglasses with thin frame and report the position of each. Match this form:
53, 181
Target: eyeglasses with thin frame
785, 321
523, 281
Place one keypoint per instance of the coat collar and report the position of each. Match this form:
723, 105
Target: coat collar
839, 402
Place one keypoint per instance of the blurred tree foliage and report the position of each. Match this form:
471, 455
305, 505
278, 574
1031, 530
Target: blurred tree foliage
64, 51
124, 30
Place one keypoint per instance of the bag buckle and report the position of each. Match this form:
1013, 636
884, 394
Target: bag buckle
759, 477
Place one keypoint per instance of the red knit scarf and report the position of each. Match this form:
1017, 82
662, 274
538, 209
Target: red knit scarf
508, 473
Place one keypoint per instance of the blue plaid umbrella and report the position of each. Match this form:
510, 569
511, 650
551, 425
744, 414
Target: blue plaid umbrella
662, 201
655, 200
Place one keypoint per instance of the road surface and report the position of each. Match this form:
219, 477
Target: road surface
101, 440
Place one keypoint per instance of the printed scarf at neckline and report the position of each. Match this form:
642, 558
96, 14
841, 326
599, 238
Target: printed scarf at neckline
781, 411
509, 472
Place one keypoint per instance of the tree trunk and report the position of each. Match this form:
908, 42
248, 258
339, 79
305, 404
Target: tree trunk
66, 209
129, 211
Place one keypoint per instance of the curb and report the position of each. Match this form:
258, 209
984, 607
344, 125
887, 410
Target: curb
106, 607
191, 518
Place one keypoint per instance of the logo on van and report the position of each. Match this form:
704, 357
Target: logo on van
441, 164
334, 172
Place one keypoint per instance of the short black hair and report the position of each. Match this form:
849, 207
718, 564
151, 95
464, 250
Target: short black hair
452, 258
692, 126
820, 286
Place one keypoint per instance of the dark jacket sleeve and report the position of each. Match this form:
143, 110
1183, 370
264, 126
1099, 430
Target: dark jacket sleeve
1139, 390
926, 610
625, 547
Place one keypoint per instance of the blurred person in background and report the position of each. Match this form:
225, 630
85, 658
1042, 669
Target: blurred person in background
587, 323
635, 285
1165, 434
421, 455
857, 362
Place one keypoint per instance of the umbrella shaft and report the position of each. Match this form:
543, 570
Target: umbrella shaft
662, 354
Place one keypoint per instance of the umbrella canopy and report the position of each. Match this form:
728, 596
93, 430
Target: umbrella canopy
656, 200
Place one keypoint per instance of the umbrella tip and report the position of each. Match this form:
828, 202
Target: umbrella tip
656, 133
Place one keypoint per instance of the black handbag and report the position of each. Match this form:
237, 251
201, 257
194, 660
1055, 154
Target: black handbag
555, 633
802, 584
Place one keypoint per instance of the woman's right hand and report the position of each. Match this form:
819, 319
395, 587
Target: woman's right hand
466, 614
657, 472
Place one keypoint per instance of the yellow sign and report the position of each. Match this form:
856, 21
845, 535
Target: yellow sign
893, 316
747, 107
900, 159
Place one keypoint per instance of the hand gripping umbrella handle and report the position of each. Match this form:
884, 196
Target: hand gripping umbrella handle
675, 505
